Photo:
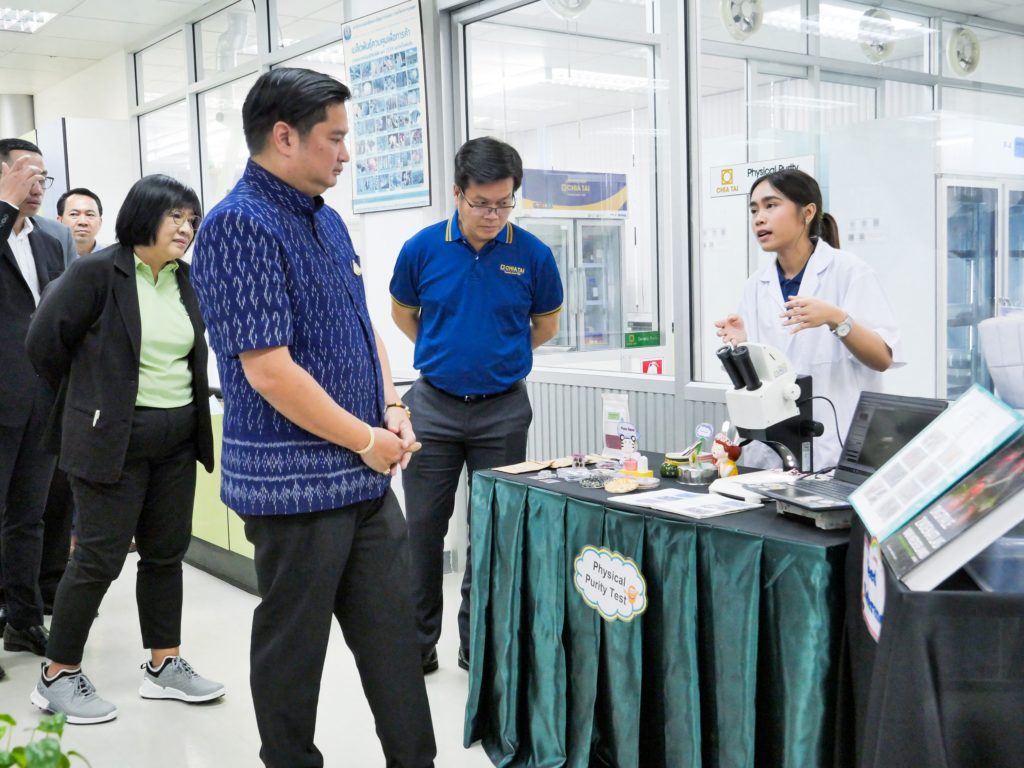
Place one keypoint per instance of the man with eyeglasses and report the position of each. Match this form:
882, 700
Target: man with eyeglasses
30, 259
476, 295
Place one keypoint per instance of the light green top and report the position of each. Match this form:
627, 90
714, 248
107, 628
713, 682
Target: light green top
165, 379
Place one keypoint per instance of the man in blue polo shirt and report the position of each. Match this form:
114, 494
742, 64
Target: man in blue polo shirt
312, 429
476, 295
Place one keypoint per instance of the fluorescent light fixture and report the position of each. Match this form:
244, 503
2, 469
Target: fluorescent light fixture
605, 81
954, 140
18, 20
842, 23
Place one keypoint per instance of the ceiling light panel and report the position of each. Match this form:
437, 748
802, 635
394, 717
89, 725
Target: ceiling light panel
18, 20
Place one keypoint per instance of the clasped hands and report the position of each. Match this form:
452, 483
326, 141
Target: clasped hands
394, 443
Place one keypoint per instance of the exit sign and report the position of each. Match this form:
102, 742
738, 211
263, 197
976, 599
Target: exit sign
643, 339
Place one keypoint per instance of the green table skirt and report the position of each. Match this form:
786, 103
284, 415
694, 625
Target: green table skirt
732, 664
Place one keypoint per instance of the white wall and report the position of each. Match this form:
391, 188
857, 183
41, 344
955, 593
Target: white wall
100, 91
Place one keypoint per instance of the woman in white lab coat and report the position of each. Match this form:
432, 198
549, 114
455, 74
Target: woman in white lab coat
824, 308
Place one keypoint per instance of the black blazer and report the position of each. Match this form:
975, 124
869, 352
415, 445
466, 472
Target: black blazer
19, 385
85, 339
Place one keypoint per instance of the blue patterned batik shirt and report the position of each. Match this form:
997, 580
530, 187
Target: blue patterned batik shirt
274, 267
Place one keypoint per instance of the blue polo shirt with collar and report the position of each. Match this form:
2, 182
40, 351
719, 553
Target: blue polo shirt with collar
274, 267
475, 307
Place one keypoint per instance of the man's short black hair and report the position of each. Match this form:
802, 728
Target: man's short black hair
13, 145
298, 97
148, 201
486, 160
78, 191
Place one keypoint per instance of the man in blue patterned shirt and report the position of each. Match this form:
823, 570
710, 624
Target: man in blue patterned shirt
310, 435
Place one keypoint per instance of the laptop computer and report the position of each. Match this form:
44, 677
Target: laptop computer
881, 426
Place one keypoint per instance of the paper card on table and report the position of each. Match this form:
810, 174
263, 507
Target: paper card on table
523, 467
695, 505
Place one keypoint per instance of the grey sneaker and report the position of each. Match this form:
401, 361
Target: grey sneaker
72, 694
175, 679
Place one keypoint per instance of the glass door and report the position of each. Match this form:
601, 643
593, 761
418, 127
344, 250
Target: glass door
558, 235
599, 280
971, 251
1014, 292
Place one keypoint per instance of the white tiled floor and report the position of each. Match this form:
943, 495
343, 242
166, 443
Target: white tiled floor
216, 624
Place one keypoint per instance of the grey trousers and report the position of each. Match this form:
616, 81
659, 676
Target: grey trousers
480, 435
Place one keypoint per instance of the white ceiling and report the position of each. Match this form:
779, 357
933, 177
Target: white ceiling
84, 32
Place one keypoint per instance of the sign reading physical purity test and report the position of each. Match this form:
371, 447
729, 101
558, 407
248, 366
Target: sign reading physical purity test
610, 583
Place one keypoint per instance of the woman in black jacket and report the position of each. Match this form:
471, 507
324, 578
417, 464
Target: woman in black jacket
121, 336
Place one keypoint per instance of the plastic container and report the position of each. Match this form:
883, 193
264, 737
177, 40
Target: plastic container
1000, 568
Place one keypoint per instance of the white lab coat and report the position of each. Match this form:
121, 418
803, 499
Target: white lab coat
844, 280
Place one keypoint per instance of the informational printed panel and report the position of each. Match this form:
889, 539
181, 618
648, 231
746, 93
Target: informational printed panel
384, 56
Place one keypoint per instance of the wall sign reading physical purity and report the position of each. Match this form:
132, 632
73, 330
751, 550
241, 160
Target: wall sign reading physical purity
384, 56
610, 583
736, 179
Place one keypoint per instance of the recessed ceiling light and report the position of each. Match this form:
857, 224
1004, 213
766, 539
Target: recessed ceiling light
17, 20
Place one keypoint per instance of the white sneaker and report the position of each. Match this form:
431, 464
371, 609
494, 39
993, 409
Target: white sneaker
72, 694
175, 679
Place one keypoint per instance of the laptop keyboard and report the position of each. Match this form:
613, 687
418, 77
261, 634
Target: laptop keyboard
833, 489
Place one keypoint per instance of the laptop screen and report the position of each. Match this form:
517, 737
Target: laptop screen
881, 426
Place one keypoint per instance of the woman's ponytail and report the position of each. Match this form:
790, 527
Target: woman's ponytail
829, 230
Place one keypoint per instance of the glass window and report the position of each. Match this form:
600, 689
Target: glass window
331, 61
301, 19
160, 70
995, 106
580, 111
163, 138
222, 143
982, 55
226, 40
856, 32
777, 24
600, 17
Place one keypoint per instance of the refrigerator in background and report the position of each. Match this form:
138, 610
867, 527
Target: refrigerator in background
983, 243
588, 252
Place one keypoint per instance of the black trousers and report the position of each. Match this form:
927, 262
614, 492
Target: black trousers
56, 536
350, 563
25, 472
152, 502
480, 435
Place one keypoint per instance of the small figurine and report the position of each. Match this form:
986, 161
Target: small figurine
724, 454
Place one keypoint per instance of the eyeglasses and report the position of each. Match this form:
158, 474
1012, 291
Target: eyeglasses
46, 182
180, 218
483, 210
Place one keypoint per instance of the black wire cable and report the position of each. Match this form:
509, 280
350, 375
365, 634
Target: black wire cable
835, 415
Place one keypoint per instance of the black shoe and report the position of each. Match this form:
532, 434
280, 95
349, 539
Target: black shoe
464, 659
429, 660
3, 617
2, 673
32, 639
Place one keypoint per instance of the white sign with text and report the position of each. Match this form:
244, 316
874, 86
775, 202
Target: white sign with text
610, 583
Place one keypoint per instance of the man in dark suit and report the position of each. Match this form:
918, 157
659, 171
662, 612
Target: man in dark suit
29, 260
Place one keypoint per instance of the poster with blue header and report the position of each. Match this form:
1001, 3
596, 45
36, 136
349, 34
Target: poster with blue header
574, 193
387, 112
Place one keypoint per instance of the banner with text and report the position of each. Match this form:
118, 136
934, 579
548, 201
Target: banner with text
572, 191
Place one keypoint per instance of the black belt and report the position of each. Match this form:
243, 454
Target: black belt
473, 398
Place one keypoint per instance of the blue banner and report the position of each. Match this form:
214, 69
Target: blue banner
569, 191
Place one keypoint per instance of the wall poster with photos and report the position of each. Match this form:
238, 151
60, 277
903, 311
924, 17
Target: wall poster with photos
384, 54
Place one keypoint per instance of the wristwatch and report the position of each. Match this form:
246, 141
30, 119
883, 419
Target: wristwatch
403, 406
843, 329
